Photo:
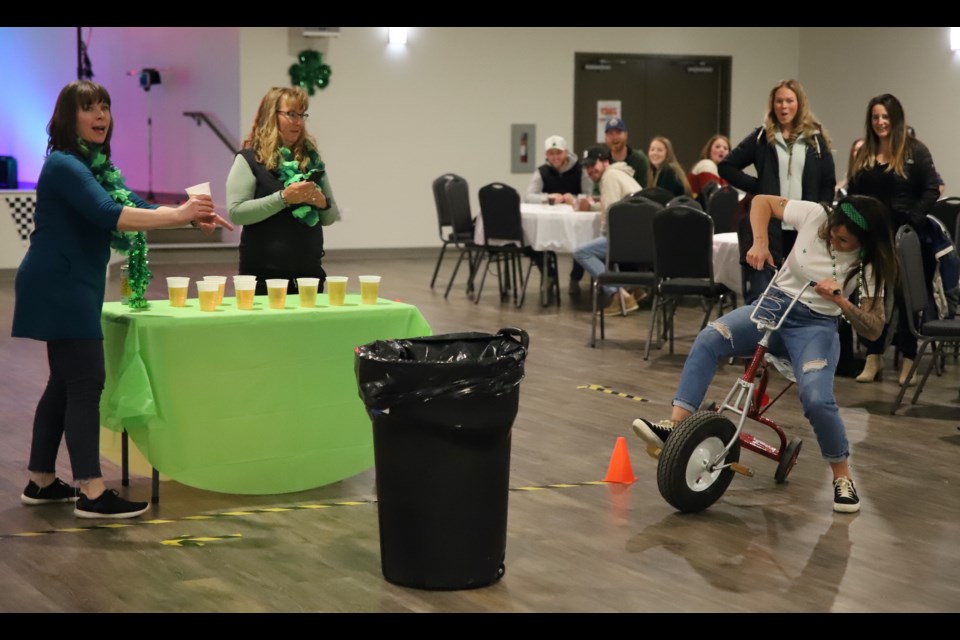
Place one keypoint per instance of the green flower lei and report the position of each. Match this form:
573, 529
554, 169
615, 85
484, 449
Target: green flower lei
131, 243
288, 172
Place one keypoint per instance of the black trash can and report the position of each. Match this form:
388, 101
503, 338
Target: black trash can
442, 409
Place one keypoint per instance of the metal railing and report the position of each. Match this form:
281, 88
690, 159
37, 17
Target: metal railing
202, 118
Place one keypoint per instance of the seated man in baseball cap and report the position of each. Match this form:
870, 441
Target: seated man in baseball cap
616, 135
560, 180
616, 182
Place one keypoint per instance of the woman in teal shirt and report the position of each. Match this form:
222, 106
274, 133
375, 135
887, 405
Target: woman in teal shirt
81, 204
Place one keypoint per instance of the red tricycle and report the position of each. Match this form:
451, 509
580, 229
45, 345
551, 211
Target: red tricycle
701, 455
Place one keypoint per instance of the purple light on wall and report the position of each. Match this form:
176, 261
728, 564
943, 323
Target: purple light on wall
45, 61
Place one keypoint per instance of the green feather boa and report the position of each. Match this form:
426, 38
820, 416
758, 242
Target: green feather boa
131, 243
288, 172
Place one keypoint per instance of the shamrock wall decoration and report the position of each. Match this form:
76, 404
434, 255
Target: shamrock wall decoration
310, 72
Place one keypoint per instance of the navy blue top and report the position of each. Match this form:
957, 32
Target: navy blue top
60, 282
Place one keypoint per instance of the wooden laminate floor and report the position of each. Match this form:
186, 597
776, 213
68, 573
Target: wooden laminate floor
571, 547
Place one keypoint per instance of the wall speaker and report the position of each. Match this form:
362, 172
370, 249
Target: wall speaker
8, 173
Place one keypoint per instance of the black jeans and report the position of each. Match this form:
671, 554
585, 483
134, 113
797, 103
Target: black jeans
70, 407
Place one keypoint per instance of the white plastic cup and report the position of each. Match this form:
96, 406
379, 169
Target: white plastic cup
202, 189
246, 290
337, 290
307, 288
369, 289
207, 293
222, 285
177, 290
277, 292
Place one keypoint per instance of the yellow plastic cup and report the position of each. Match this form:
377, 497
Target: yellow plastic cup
308, 291
222, 285
177, 290
207, 293
337, 290
246, 289
277, 292
369, 289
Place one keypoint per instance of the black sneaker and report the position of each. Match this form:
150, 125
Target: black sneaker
574, 288
57, 491
653, 432
108, 505
845, 498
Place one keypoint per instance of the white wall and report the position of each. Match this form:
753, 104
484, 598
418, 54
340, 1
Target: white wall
846, 67
393, 120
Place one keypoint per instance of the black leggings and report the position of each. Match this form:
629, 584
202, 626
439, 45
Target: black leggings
70, 407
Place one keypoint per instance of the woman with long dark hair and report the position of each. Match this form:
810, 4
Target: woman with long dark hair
898, 170
843, 248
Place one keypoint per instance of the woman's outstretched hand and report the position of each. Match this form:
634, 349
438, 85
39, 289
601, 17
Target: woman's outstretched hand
199, 211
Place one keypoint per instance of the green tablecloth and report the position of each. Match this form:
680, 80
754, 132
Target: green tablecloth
252, 402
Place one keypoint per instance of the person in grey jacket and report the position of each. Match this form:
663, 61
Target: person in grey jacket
792, 157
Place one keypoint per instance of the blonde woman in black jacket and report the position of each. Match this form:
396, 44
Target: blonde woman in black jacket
792, 157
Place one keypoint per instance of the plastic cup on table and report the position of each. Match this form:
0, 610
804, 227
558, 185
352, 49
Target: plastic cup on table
221, 286
177, 290
369, 289
245, 289
308, 291
277, 292
207, 293
337, 290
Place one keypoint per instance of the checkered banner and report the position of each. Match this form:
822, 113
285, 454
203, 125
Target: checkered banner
21, 210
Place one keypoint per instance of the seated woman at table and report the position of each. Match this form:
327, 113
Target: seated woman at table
842, 249
706, 171
83, 207
665, 170
559, 181
278, 189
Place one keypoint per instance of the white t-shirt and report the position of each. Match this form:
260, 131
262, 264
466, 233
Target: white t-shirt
810, 259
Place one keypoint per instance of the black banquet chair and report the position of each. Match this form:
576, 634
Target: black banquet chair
456, 200
684, 267
722, 207
685, 200
459, 235
504, 244
444, 224
928, 331
947, 211
630, 241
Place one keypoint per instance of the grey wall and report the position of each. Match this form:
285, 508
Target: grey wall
844, 68
393, 120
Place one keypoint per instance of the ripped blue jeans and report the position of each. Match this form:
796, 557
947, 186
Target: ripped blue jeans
810, 341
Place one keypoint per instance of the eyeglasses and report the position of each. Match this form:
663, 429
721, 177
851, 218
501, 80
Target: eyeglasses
293, 115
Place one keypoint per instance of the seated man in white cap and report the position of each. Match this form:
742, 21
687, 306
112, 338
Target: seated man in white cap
560, 180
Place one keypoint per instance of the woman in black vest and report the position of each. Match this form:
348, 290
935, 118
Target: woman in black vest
279, 191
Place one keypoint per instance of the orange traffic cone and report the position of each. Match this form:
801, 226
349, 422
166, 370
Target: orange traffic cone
620, 470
